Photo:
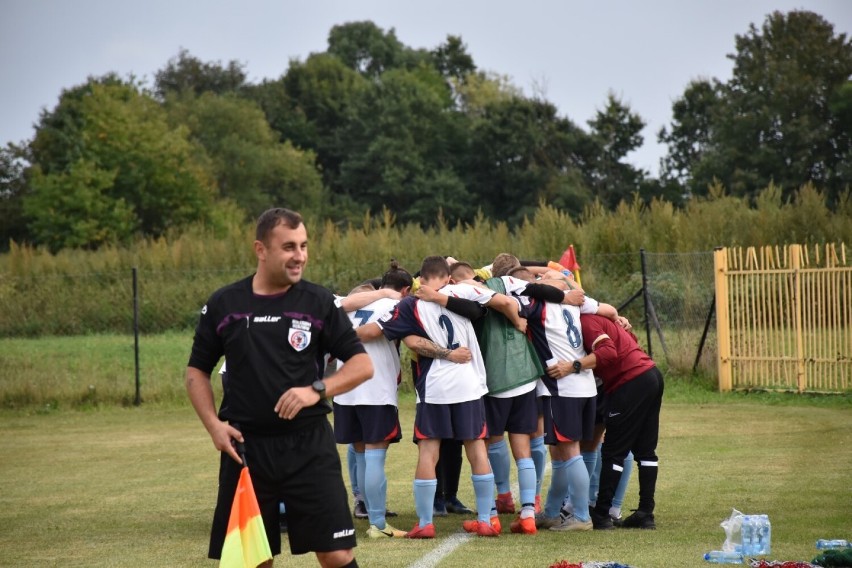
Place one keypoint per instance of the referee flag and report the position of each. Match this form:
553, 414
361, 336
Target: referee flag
569, 261
246, 545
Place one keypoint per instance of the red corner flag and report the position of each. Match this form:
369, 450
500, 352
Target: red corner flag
569, 261
246, 545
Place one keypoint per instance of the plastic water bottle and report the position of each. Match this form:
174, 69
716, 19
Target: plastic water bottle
764, 536
747, 532
722, 557
826, 544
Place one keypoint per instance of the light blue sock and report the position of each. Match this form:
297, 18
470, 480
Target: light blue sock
595, 477
424, 498
558, 488
621, 488
376, 486
526, 481
361, 474
281, 508
352, 465
498, 455
483, 487
591, 461
578, 480
539, 457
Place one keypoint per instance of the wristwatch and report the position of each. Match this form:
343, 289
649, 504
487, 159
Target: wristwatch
319, 387
577, 366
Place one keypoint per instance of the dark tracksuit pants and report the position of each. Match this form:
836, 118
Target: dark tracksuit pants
632, 424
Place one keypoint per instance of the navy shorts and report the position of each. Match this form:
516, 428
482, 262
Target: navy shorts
370, 424
460, 421
568, 419
516, 415
300, 468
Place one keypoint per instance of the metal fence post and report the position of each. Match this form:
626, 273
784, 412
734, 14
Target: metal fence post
138, 399
645, 301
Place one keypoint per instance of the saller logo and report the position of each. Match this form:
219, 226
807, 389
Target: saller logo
265, 319
341, 534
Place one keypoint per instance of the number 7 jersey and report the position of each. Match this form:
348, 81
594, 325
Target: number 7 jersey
438, 381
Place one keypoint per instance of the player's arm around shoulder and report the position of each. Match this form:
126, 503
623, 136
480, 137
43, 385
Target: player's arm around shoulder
510, 308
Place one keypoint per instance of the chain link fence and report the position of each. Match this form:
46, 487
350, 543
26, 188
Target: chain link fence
675, 289
669, 299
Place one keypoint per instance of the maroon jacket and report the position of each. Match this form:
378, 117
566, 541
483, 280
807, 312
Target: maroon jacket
619, 356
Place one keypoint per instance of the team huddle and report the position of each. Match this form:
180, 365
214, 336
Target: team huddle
499, 350
507, 349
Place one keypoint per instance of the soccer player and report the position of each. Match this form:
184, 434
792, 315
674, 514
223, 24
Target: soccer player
367, 416
634, 391
568, 403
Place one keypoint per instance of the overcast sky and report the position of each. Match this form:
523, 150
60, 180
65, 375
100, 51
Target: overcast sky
573, 52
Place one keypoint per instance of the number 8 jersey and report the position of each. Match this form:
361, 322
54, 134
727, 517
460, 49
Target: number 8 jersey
438, 381
556, 333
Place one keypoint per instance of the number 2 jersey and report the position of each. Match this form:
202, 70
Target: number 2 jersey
438, 381
380, 389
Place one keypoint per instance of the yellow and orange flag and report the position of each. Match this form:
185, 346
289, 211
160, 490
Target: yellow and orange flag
246, 545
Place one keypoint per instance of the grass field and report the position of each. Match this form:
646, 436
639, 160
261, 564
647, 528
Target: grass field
135, 487
90, 480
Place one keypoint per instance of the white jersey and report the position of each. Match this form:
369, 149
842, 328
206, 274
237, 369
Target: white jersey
557, 335
439, 381
381, 388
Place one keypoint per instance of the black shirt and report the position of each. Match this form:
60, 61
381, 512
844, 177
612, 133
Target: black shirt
271, 343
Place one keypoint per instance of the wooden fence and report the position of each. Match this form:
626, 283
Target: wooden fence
784, 318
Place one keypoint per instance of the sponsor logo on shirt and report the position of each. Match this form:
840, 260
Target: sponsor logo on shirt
266, 319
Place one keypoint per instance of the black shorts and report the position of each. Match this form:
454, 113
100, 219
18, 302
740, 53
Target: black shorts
459, 421
302, 469
568, 419
370, 424
516, 415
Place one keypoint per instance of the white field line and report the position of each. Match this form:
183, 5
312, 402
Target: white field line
452, 542
447, 546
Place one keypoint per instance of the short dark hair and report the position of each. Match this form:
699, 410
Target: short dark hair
517, 269
396, 277
434, 267
271, 218
461, 265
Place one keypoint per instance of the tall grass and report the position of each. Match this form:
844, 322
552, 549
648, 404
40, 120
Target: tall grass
76, 292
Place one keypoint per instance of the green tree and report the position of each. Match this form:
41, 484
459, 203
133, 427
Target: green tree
250, 165
403, 145
188, 73
691, 133
108, 132
779, 119
452, 60
74, 209
521, 151
13, 187
616, 131
312, 105
366, 48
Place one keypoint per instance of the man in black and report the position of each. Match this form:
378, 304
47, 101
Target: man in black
275, 330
